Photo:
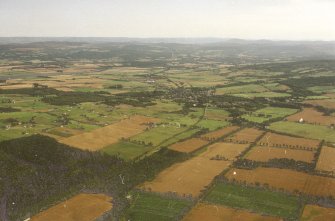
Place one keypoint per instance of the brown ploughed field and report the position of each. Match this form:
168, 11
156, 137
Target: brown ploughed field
312, 116
247, 135
264, 154
192, 176
326, 161
83, 207
219, 133
188, 145
317, 213
278, 140
288, 180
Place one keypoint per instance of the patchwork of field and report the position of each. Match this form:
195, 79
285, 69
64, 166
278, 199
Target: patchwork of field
269, 94
264, 154
305, 130
250, 88
254, 199
278, 140
246, 135
99, 138
213, 212
188, 145
268, 113
84, 207
285, 179
149, 206
219, 133
312, 116
192, 176
316, 213
326, 160
59, 82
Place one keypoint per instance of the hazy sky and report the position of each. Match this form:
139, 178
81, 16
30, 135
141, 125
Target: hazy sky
251, 19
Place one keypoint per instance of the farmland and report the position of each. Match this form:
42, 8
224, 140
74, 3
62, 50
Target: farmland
192, 176
276, 204
305, 130
148, 206
268, 113
102, 137
325, 162
215, 212
314, 213
264, 154
246, 135
287, 180
86, 207
219, 133
162, 131
312, 116
279, 140
188, 145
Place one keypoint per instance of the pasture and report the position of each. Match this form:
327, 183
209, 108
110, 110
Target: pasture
318, 132
268, 113
148, 206
254, 199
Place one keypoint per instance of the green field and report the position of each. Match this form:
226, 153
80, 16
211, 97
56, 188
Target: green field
305, 130
164, 135
147, 206
126, 150
257, 200
212, 124
268, 113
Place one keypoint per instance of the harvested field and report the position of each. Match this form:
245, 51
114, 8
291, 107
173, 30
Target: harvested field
219, 133
278, 140
214, 212
99, 138
326, 103
227, 151
247, 135
83, 207
285, 179
188, 145
316, 213
264, 154
312, 116
192, 176
326, 160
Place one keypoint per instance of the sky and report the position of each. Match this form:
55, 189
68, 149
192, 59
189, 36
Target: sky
246, 19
